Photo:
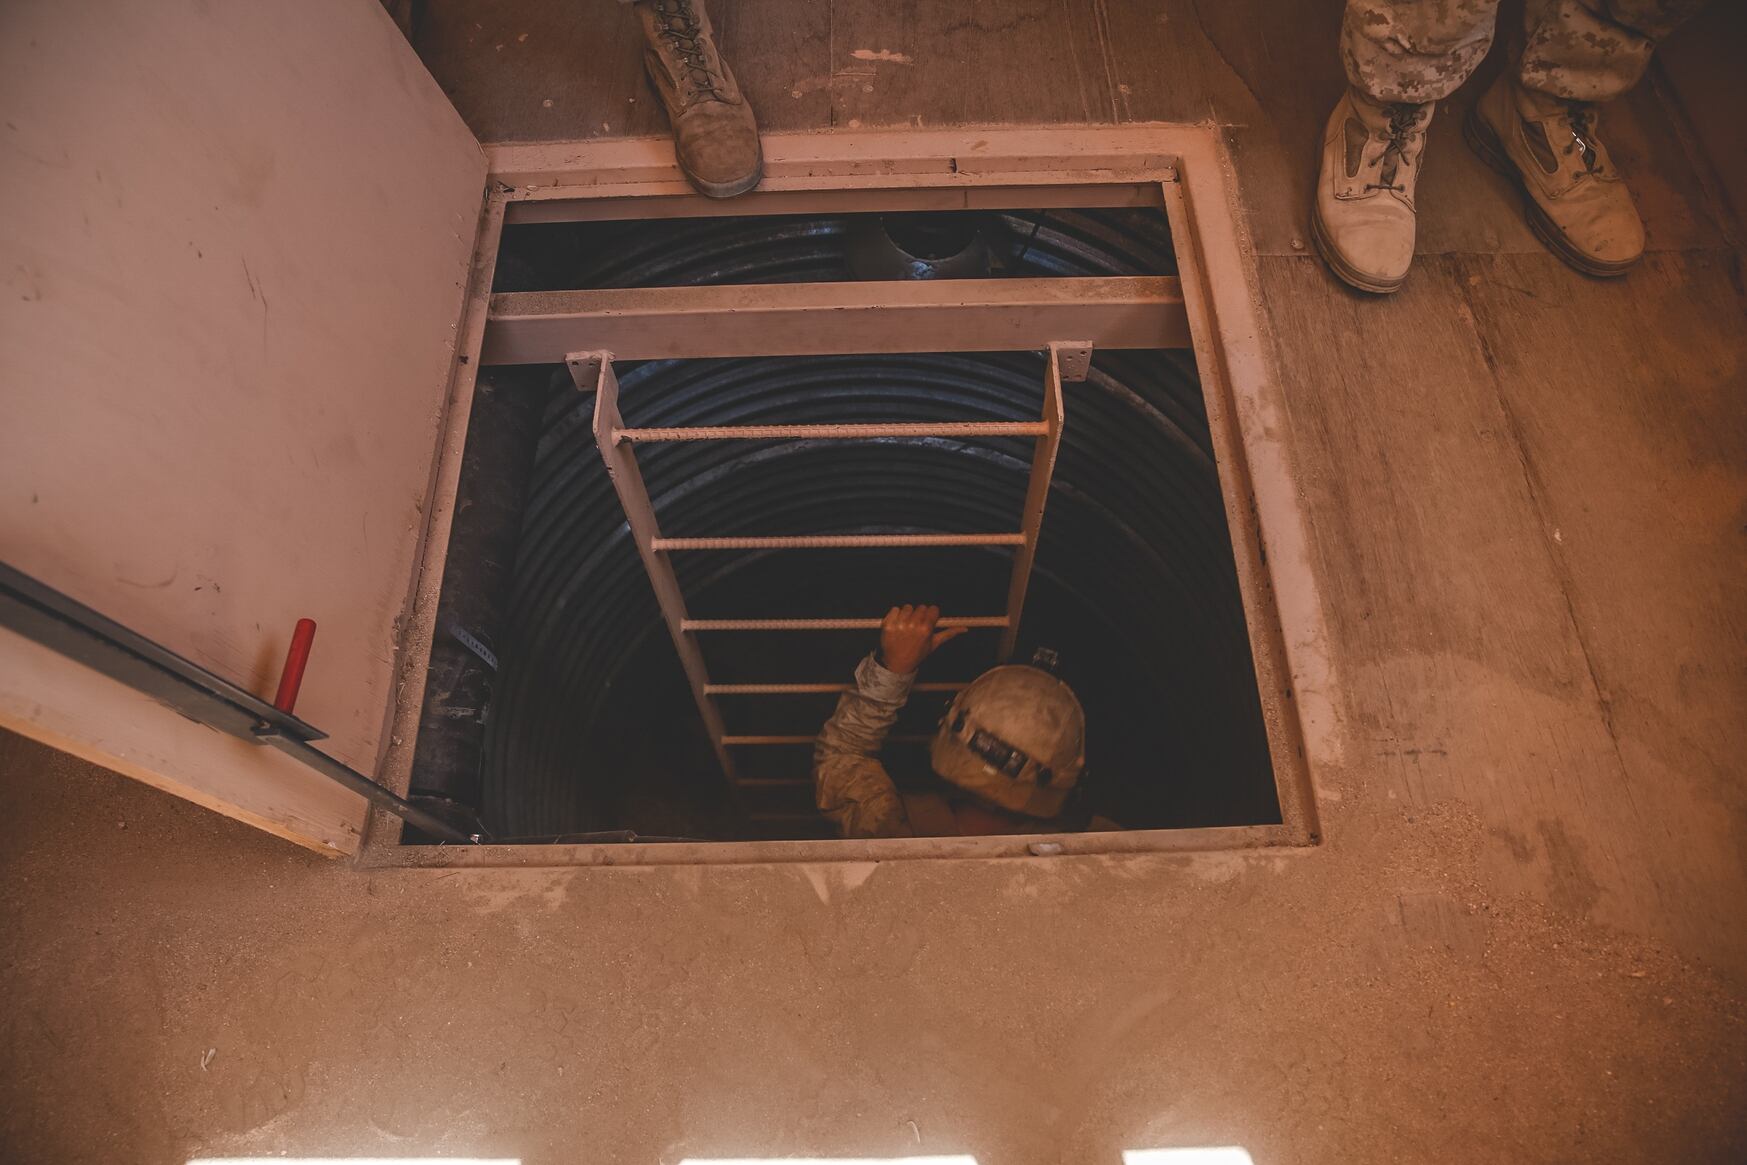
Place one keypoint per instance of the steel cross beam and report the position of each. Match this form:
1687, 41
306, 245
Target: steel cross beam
834, 432
812, 689
839, 541
974, 622
593, 371
816, 319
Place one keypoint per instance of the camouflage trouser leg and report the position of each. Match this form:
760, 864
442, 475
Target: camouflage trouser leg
1414, 50
1584, 50
1593, 50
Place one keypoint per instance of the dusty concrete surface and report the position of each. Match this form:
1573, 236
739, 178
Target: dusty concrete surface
1370, 1001
1522, 941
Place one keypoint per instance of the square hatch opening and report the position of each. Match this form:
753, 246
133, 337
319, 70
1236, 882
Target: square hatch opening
826, 414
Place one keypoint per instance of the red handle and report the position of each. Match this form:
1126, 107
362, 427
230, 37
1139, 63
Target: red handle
296, 659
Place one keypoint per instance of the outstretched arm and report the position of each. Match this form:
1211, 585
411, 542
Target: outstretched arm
851, 786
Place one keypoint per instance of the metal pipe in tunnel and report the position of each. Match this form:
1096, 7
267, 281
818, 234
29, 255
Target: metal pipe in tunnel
497, 466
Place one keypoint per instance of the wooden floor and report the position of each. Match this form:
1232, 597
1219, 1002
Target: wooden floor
1521, 941
545, 70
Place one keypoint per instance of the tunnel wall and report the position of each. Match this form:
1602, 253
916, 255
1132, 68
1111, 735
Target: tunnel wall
1135, 583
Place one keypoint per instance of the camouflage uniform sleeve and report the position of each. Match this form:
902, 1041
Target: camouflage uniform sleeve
850, 785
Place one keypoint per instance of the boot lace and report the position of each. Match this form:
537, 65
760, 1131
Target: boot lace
683, 33
1582, 119
1403, 118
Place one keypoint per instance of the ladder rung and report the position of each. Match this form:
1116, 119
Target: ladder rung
810, 739
836, 541
807, 689
829, 624
835, 432
815, 815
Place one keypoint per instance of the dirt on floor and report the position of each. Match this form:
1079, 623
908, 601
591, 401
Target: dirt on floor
1521, 941
180, 985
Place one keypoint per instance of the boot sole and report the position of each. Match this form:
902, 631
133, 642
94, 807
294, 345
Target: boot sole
726, 189
1485, 143
1342, 269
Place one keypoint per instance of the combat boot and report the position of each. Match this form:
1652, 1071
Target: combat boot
1573, 195
714, 132
1363, 222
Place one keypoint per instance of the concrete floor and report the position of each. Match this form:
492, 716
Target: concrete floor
1521, 941
1376, 1000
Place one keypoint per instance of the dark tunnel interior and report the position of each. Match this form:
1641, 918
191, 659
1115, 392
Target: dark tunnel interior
556, 705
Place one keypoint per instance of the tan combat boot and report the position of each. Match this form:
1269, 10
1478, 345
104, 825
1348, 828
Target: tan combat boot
1574, 197
1363, 222
714, 132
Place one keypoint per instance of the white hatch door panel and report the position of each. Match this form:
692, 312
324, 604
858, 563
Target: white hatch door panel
235, 250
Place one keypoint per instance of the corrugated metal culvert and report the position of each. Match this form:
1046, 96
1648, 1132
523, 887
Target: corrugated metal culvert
591, 726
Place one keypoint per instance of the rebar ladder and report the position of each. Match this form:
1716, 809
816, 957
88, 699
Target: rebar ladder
593, 371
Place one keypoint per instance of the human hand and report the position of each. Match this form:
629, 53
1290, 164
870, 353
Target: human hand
907, 637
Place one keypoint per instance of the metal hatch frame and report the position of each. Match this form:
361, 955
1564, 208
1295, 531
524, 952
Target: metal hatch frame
1210, 306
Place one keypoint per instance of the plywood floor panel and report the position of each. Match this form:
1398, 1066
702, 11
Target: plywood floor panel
786, 48
921, 62
542, 70
1287, 90
1268, 69
1463, 655
1627, 401
1416, 476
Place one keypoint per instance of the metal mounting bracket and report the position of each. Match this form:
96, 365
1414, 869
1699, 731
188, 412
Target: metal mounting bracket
1074, 358
585, 369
